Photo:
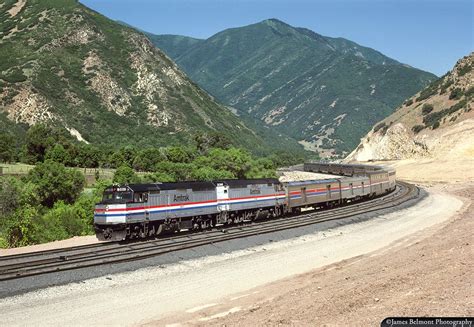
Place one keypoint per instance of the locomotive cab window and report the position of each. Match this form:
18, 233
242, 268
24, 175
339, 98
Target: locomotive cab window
111, 196
140, 197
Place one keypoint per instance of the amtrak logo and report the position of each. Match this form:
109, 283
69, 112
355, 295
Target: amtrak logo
254, 189
180, 198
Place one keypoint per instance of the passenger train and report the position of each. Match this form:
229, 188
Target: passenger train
143, 210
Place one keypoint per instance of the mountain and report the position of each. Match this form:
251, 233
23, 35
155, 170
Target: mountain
324, 92
437, 122
66, 65
176, 44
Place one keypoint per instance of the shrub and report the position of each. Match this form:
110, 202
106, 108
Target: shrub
56, 183
469, 92
456, 94
417, 128
380, 126
426, 109
409, 102
429, 91
436, 125
464, 70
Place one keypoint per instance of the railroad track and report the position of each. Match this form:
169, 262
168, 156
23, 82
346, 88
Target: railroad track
44, 262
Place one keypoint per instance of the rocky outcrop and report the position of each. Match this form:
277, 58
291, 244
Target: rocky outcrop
438, 122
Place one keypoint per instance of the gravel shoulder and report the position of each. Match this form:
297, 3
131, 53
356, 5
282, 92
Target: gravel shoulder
227, 288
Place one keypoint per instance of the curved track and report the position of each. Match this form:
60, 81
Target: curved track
35, 263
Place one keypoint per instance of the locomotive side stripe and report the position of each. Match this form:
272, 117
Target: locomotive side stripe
187, 206
178, 209
276, 195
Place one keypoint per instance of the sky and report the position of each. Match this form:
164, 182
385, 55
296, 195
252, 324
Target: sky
427, 34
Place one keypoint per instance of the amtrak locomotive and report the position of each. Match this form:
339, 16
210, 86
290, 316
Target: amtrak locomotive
143, 210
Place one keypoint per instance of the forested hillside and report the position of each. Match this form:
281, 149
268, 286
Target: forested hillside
324, 92
66, 65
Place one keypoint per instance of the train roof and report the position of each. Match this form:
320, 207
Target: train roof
199, 186
246, 182
316, 181
194, 185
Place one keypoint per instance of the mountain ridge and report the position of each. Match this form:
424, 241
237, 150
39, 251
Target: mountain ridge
64, 64
299, 82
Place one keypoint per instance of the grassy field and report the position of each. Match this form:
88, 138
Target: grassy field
20, 169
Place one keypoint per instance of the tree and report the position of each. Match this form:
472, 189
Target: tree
234, 160
116, 159
58, 154
262, 168
10, 189
129, 154
40, 138
208, 174
147, 159
88, 156
176, 171
179, 154
207, 141
7, 147
125, 175
55, 182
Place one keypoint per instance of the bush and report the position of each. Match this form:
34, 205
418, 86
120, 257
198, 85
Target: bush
409, 102
469, 92
426, 109
429, 91
456, 94
56, 183
417, 128
464, 70
22, 228
382, 126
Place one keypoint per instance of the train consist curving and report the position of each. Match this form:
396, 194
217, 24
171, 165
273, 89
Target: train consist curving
143, 210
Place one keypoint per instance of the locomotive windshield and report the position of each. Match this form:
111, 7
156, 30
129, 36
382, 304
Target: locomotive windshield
117, 195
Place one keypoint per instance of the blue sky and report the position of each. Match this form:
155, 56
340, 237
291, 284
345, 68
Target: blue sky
428, 34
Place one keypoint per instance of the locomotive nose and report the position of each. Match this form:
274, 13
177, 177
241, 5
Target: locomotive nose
110, 214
